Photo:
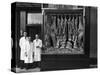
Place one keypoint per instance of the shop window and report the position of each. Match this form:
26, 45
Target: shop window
64, 33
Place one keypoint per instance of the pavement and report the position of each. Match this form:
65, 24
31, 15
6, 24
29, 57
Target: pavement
18, 70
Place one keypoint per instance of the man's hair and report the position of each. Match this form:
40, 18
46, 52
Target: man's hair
24, 32
36, 35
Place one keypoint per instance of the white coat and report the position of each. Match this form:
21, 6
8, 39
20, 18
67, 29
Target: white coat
31, 53
27, 52
37, 51
29, 57
22, 44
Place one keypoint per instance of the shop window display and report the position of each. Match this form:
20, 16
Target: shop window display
64, 33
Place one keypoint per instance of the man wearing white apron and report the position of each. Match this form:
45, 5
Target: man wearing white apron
26, 58
22, 44
29, 55
37, 50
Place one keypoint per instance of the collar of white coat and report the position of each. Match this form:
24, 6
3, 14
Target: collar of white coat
37, 40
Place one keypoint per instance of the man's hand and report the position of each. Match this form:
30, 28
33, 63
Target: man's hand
37, 46
25, 53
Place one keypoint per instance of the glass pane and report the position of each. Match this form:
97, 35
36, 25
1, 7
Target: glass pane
34, 18
64, 33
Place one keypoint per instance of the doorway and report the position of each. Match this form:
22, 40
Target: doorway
33, 30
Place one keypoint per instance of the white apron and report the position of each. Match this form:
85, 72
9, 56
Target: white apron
22, 44
37, 51
27, 52
29, 57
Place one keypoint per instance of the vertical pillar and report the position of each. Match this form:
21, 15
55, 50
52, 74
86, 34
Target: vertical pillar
22, 21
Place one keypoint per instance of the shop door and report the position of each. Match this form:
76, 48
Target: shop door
33, 30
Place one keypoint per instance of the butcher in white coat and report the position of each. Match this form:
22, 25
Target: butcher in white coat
29, 46
37, 49
22, 44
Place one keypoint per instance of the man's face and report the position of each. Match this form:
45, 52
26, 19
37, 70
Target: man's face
25, 34
36, 36
29, 38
